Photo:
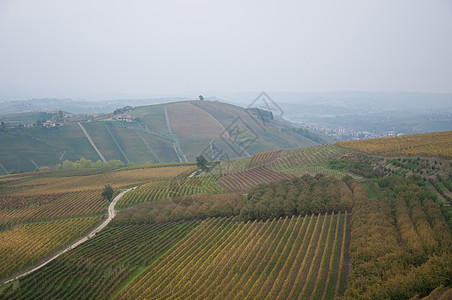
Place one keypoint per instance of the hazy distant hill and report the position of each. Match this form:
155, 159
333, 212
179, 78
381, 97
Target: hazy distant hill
170, 132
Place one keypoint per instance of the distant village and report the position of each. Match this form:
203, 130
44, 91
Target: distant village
55, 119
341, 133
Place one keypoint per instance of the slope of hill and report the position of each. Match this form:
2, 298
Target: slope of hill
430, 144
42, 212
179, 235
172, 132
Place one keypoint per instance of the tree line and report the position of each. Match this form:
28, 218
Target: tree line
304, 195
400, 242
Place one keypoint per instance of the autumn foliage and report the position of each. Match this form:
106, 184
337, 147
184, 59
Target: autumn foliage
430, 144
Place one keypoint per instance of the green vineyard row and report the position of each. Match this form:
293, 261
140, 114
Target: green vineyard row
73, 204
241, 182
99, 267
175, 187
225, 259
42, 239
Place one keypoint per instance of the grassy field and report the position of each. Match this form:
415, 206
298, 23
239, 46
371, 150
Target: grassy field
153, 116
45, 146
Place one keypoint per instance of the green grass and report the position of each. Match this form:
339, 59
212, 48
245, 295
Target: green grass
103, 140
153, 117
44, 145
370, 190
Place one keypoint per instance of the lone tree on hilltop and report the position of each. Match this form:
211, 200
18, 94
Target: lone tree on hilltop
108, 192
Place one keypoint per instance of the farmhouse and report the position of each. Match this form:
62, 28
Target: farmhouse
123, 118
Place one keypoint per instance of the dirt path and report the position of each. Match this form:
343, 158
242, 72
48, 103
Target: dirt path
175, 145
111, 215
91, 141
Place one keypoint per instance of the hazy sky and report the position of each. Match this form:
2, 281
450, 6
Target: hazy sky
84, 48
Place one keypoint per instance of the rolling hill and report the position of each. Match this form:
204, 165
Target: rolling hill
173, 132
320, 222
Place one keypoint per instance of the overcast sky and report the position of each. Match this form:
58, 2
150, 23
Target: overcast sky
85, 48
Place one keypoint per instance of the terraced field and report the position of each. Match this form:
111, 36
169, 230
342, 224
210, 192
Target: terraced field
271, 166
175, 187
301, 256
311, 160
241, 182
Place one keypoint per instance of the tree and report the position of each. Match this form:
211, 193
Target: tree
201, 162
59, 117
108, 192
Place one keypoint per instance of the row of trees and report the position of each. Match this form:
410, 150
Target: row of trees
182, 208
301, 195
305, 195
84, 163
400, 242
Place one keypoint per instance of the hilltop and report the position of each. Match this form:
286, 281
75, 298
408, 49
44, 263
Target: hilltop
173, 132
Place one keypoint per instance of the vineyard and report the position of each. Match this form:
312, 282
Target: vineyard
303, 230
242, 174
27, 244
258, 160
312, 161
40, 213
263, 158
430, 144
299, 256
298, 162
400, 242
26, 185
244, 180
175, 187
102, 265
52, 207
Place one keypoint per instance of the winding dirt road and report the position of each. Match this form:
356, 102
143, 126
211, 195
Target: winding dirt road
111, 215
